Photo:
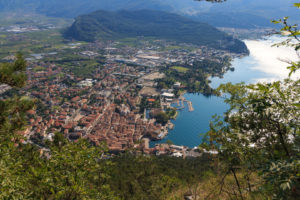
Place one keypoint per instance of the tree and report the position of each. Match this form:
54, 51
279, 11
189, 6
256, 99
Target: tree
169, 142
260, 132
12, 119
13, 110
162, 118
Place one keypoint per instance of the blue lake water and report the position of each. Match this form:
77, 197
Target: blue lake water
190, 125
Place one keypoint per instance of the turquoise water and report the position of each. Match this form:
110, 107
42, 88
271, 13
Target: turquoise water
190, 125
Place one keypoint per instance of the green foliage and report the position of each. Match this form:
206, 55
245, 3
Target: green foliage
194, 77
171, 112
31, 42
13, 111
169, 142
143, 177
13, 73
260, 132
69, 171
162, 118
180, 69
126, 24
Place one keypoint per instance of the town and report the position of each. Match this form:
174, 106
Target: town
114, 100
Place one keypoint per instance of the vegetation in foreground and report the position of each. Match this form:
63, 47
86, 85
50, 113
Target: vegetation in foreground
260, 133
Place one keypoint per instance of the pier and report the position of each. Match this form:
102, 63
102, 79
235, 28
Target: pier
190, 105
180, 104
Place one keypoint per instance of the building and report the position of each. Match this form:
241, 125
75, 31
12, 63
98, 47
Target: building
177, 85
168, 95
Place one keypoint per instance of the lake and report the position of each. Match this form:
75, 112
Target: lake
262, 65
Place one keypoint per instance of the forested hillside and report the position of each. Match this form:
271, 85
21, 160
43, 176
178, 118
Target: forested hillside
162, 25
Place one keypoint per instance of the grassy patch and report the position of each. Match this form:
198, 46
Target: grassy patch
38, 69
180, 69
33, 42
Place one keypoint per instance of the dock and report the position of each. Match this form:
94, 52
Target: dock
181, 104
190, 105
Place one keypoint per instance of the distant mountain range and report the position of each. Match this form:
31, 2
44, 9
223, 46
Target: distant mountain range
233, 13
148, 23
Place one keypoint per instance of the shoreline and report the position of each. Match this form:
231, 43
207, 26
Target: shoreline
170, 125
181, 99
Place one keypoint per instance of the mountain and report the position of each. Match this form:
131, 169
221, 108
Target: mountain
248, 13
79, 7
232, 13
264, 8
73, 8
14, 5
233, 20
148, 23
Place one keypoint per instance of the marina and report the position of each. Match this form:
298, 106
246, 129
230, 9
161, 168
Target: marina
180, 104
195, 111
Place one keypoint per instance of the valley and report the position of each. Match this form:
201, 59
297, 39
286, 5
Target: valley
149, 99
109, 81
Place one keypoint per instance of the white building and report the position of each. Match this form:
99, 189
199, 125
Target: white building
168, 95
177, 85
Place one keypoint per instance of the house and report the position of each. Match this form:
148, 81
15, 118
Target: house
177, 85
168, 95
177, 154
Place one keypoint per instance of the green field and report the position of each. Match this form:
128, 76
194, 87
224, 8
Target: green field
31, 18
33, 42
180, 69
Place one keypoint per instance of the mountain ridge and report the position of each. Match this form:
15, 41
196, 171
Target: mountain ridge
122, 24
257, 13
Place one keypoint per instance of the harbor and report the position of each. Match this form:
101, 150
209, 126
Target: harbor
188, 125
193, 119
180, 104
